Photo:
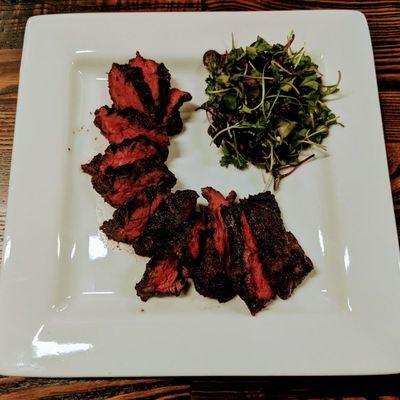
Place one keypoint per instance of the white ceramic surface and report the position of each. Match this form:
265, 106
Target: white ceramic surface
67, 304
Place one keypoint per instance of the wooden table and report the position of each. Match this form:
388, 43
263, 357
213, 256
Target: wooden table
384, 22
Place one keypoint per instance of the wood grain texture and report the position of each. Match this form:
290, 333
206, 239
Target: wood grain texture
14, 14
9, 71
18, 388
340, 388
384, 21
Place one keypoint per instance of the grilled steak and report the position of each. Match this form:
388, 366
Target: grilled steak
118, 125
118, 185
158, 79
128, 89
166, 223
129, 151
92, 168
227, 248
130, 219
282, 256
163, 277
210, 273
195, 233
245, 268
167, 271
172, 119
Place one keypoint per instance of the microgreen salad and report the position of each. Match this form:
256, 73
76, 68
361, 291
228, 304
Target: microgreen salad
266, 105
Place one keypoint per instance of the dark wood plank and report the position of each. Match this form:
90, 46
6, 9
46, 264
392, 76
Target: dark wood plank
390, 106
9, 72
18, 388
297, 388
14, 14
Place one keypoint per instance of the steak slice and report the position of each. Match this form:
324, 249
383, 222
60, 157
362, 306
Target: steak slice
128, 89
92, 168
172, 120
166, 223
158, 79
210, 273
245, 269
118, 125
194, 237
167, 271
127, 152
282, 256
163, 277
118, 185
130, 219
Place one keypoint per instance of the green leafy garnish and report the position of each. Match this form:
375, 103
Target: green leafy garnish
266, 105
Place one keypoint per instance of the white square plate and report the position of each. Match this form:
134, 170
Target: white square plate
67, 304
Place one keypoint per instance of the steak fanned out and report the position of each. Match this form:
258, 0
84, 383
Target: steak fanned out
172, 119
128, 89
166, 224
245, 269
282, 256
118, 125
129, 151
210, 273
158, 79
118, 185
130, 219
163, 277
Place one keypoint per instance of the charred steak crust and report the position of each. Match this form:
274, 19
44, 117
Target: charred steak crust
209, 273
118, 125
158, 78
240, 270
124, 153
134, 85
130, 219
118, 185
139, 140
166, 223
282, 256
131, 114
163, 277
210, 277
164, 85
92, 167
172, 120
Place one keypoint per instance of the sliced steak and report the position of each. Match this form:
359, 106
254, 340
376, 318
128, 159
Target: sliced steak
92, 168
172, 119
118, 185
166, 223
163, 277
210, 273
282, 256
118, 125
127, 152
195, 233
128, 89
245, 269
157, 78
130, 219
